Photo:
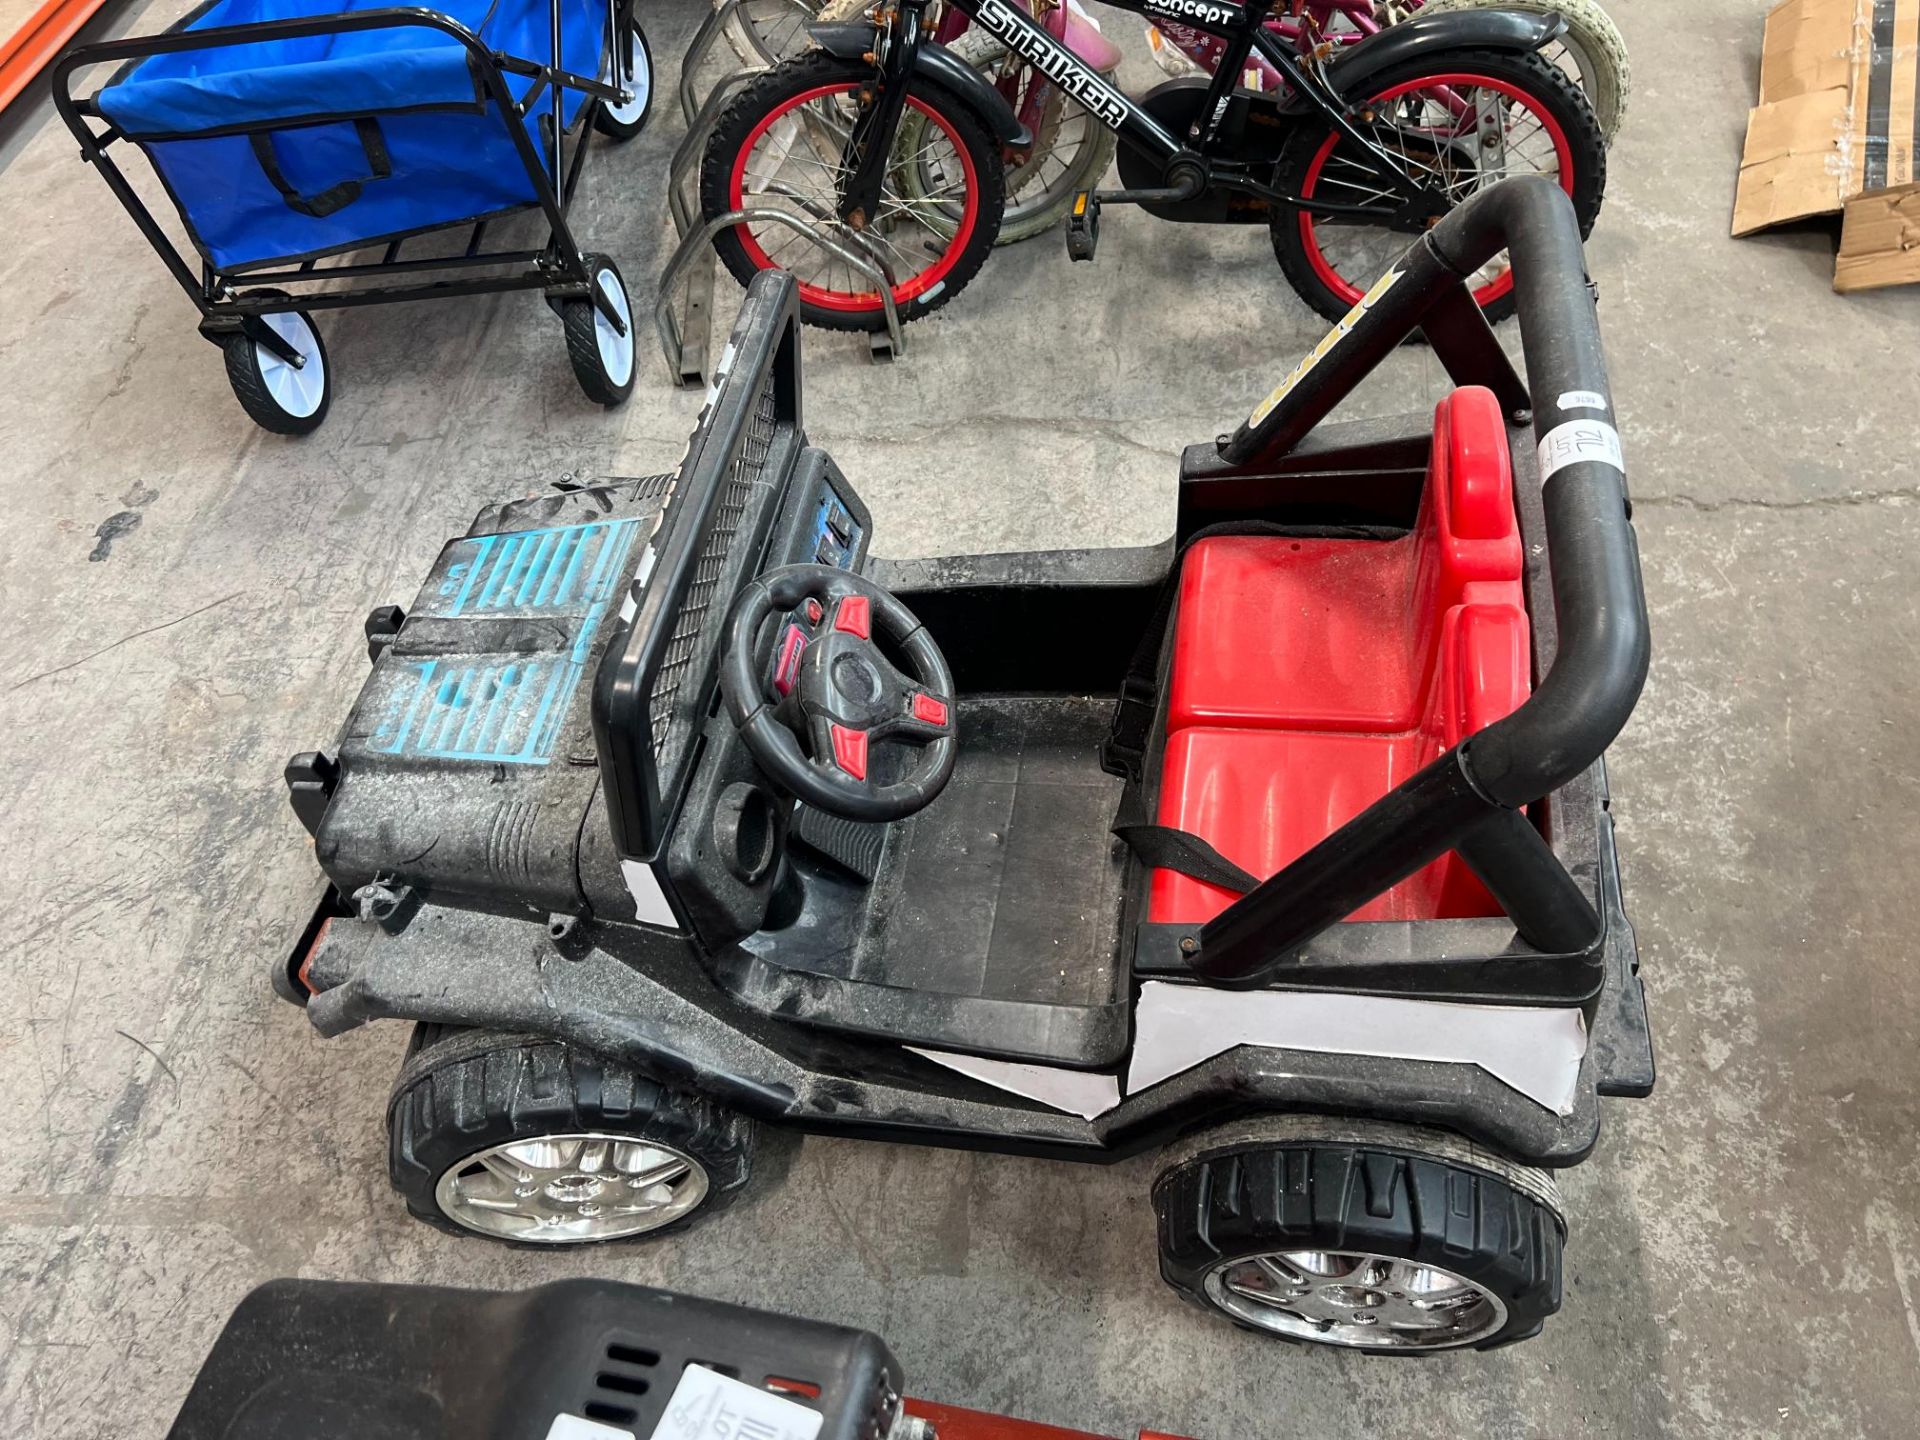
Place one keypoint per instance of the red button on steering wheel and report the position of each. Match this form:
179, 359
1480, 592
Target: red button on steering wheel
815, 736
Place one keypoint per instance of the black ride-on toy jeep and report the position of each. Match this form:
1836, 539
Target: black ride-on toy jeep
672, 816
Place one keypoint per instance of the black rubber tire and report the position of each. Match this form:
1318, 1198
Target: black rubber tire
250, 386
816, 68
621, 131
1546, 85
1606, 77
460, 1091
1297, 1183
583, 343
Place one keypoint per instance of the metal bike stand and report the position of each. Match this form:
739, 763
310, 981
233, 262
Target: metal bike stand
711, 29
698, 244
688, 363
685, 342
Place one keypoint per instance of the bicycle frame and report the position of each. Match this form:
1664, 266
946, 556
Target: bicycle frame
1300, 28
1192, 162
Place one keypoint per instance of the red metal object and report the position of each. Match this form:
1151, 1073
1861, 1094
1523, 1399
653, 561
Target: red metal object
306, 961
952, 1422
31, 48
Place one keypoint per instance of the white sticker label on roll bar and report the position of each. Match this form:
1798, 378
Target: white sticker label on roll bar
1583, 400
1572, 441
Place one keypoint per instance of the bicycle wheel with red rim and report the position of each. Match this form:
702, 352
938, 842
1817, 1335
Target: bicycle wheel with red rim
781, 146
1460, 123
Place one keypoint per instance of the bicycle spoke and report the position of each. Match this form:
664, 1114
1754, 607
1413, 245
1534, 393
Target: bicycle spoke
1454, 140
798, 165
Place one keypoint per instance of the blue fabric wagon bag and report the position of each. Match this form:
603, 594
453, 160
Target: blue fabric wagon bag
285, 149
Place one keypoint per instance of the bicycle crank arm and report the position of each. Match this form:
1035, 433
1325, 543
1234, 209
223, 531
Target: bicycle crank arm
1189, 180
1083, 220
1166, 195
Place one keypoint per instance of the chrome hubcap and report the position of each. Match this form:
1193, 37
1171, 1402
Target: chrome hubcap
1344, 1297
569, 1189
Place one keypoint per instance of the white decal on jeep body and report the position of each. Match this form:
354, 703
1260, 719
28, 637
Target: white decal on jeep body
1039, 49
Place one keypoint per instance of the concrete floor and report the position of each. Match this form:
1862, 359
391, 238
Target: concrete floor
184, 594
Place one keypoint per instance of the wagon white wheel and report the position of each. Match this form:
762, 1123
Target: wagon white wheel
286, 396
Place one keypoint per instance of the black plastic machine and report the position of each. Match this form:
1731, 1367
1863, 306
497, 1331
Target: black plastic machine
570, 1360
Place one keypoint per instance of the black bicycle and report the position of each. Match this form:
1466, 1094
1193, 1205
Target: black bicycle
893, 144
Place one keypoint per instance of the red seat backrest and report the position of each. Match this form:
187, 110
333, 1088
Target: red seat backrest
1310, 676
1467, 535
1340, 634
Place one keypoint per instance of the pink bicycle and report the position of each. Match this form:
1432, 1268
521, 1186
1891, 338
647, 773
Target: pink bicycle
886, 138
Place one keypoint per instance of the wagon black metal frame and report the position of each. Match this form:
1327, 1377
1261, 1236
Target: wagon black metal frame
559, 268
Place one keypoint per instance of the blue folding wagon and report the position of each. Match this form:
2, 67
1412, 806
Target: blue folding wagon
289, 131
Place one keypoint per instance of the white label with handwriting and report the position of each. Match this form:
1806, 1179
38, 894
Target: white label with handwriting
1572, 441
706, 1405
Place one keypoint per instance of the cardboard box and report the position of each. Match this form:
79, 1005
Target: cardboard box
1836, 130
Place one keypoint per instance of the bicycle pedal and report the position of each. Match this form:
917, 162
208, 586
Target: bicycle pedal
1083, 226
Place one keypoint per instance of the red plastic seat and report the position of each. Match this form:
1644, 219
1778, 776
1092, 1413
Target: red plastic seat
1312, 676
1339, 634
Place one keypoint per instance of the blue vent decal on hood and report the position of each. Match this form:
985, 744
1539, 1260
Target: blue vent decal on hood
509, 709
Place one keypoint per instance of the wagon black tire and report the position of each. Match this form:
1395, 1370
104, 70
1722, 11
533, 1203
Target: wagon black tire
622, 123
1549, 92
464, 1094
1389, 1239
779, 90
603, 359
276, 396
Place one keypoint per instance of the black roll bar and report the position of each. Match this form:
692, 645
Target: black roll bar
1468, 799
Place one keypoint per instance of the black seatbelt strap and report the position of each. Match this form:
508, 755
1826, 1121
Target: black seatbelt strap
1125, 747
1162, 847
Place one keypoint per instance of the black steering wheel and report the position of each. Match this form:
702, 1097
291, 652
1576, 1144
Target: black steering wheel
813, 694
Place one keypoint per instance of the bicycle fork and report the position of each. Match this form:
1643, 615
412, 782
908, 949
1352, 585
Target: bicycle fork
880, 106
